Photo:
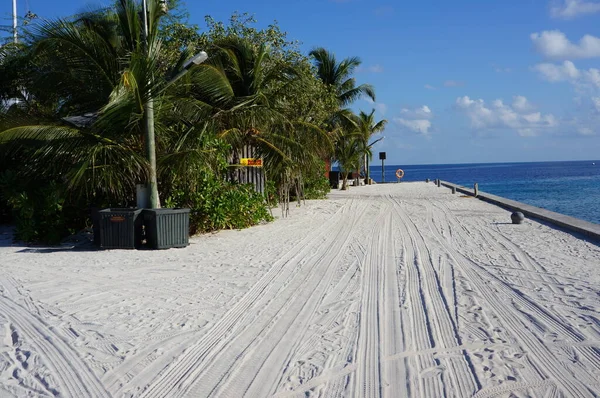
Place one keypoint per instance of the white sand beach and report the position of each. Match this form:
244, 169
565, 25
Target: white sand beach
397, 290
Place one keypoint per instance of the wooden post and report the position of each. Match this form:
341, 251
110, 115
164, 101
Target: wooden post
476, 189
439, 183
427, 180
453, 190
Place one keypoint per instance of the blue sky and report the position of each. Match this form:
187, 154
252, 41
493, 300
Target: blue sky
459, 81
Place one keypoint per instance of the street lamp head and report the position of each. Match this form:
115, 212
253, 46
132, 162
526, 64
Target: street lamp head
196, 60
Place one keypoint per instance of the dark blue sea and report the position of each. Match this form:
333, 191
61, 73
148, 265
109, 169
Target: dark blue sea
571, 188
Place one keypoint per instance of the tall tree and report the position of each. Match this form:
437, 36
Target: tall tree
366, 127
98, 63
261, 99
338, 75
347, 153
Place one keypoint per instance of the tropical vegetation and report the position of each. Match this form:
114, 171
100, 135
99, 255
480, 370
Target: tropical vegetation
75, 94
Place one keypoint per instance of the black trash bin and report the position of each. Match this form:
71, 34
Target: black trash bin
120, 228
167, 228
95, 216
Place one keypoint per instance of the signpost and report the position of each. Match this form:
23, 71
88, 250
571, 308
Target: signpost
382, 157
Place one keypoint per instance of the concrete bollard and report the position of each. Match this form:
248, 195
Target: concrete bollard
453, 190
476, 189
517, 217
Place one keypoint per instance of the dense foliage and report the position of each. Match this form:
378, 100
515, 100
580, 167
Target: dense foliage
75, 91
219, 204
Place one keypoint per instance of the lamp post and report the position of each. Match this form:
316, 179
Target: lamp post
15, 21
367, 171
189, 64
152, 184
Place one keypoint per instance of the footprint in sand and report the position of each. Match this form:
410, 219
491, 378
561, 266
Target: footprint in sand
432, 372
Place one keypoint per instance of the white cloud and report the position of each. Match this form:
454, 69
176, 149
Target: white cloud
521, 104
568, 72
586, 131
418, 126
419, 113
500, 115
568, 9
429, 87
557, 73
417, 120
555, 44
592, 76
596, 103
585, 125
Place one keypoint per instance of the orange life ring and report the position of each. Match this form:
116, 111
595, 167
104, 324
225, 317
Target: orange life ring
399, 173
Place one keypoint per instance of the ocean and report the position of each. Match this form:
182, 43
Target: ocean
571, 188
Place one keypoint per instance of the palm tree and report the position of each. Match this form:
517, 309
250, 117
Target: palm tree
366, 127
339, 76
347, 153
234, 85
100, 63
247, 92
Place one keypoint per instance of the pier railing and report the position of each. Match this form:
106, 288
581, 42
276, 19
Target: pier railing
573, 224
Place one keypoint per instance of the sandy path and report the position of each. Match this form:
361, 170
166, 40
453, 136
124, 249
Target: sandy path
395, 290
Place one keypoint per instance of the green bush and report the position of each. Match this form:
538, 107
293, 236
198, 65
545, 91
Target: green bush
316, 185
37, 209
272, 193
218, 204
316, 188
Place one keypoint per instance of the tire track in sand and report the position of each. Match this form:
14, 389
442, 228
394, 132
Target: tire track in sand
440, 322
394, 375
530, 306
184, 371
368, 357
74, 377
518, 323
271, 350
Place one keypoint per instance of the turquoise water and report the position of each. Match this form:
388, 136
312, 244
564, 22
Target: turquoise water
571, 188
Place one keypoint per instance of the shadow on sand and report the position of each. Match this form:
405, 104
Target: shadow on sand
78, 243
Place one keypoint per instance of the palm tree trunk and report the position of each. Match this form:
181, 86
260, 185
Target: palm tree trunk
345, 181
367, 179
151, 153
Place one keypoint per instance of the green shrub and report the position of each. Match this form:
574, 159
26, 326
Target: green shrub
218, 204
37, 209
316, 185
272, 193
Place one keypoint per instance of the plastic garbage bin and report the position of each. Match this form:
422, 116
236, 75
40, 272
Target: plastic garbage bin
167, 228
120, 228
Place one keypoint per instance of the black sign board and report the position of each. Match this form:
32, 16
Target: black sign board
381, 155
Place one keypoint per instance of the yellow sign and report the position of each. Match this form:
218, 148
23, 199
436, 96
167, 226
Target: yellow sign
251, 162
